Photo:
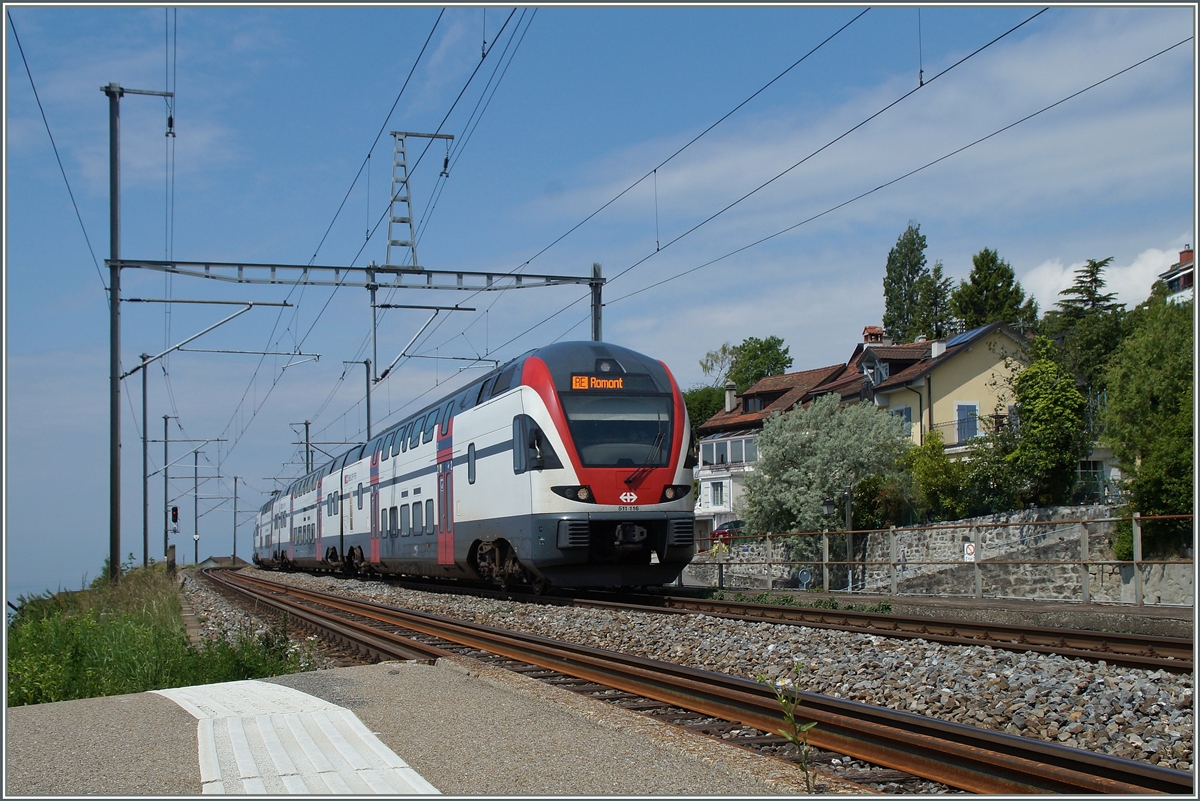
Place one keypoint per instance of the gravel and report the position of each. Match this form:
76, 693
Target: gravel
1126, 712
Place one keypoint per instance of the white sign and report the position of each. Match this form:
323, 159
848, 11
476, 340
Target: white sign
628, 497
968, 552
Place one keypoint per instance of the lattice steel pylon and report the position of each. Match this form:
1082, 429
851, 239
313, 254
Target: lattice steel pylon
402, 196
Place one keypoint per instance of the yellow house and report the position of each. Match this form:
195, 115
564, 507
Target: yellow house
960, 389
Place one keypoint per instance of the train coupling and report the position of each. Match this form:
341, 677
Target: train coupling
629, 537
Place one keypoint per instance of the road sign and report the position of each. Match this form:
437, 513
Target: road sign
968, 552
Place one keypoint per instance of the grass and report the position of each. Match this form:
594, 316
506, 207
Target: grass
126, 637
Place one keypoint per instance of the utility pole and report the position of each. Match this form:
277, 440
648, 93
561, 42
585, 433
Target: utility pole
233, 563
114, 91
166, 489
596, 283
196, 502
145, 475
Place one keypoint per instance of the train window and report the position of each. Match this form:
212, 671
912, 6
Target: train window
485, 391
401, 443
471, 463
446, 417
359, 493
431, 424
394, 528
430, 520
383, 522
414, 439
504, 380
387, 446
418, 522
404, 520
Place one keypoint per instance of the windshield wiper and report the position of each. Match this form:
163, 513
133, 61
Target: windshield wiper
655, 450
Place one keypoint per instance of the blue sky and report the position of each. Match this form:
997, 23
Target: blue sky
277, 108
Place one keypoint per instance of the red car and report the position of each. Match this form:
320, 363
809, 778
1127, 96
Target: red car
726, 531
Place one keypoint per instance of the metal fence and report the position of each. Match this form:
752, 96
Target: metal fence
1058, 559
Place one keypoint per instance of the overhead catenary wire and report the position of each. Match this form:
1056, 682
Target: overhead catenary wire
908, 174
57, 157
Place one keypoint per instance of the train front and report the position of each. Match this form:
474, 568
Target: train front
606, 439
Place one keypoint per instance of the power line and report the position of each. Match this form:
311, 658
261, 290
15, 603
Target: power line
908, 174
57, 157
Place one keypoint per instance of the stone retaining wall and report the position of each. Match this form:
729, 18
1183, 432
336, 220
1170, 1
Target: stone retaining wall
1044, 547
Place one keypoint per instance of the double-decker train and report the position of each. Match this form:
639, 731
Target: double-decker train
569, 466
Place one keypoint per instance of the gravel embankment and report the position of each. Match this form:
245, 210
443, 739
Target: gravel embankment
1126, 712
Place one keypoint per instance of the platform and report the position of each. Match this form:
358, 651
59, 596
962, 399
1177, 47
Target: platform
391, 728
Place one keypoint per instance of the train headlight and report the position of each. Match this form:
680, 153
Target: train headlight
575, 493
673, 492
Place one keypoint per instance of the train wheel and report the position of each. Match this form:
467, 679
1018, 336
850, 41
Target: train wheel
540, 586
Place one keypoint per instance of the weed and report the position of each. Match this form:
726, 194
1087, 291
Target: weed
787, 692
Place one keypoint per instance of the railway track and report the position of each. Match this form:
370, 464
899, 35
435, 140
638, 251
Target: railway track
962, 757
1148, 652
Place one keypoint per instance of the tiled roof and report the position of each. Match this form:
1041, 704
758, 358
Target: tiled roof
794, 387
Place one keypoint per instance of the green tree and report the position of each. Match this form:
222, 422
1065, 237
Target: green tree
756, 359
809, 454
1052, 433
702, 403
938, 481
715, 364
933, 316
1088, 323
905, 267
991, 294
1148, 416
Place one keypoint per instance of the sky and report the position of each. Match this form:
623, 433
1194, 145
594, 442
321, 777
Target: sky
724, 194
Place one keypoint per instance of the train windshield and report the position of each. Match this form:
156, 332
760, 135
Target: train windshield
620, 430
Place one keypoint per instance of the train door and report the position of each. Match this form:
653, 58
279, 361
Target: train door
373, 488
445, 492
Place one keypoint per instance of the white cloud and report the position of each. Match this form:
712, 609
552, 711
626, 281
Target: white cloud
1129, 282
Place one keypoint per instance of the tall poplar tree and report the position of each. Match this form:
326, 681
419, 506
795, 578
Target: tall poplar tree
992, 294
905, 267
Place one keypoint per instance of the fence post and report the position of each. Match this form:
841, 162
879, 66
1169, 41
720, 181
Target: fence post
978, 559
767, 562
720, 575
1137, 559
825, 559
892, 564
1083, 567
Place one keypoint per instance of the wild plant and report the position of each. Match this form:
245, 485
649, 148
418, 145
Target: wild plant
787, 692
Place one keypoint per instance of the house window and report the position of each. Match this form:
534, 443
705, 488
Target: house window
967, 415
722, 452
737, 451
718, 493
905, 415
751, 450
754, 404
706, 454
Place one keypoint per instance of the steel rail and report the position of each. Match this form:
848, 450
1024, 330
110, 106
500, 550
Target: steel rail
965, 757
1128, 650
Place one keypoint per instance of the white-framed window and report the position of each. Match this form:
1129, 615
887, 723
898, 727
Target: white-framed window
967, 417
905, 414
718, 493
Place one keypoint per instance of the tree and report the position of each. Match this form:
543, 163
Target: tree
809, 454
1052, 433
715, 364
1088, 323
756, 359
932, 315
1148, 416
702, 403
905, 267
991, 294
938, 481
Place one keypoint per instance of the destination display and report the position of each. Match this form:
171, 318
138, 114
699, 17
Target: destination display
596, 382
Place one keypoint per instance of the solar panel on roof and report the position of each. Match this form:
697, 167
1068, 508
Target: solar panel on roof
963, 337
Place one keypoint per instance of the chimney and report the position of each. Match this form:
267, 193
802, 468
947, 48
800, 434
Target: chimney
730, 396
937, 348
1186, 255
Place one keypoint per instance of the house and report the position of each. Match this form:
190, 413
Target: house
955, 386
1179, 278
